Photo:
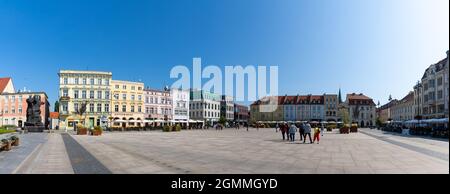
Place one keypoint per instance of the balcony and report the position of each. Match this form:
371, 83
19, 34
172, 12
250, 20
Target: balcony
64, 99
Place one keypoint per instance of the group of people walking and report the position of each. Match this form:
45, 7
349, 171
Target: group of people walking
288, 131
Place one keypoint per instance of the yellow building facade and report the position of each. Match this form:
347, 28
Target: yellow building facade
127, 103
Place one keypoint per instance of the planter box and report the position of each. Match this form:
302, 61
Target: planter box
96, 133
6, 146
81, 131
353, 130
344, 130
16, 142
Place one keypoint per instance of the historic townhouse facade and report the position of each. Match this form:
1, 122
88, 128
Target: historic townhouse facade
296, 108
205, 106
362, 109
403, 110
180, 105
227, 107
267, 109
431, 94
384, 112
84, 87
13, 105
241, 113
331, 104
128, 103
158, 104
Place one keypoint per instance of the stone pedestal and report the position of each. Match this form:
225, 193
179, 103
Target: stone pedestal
34, 129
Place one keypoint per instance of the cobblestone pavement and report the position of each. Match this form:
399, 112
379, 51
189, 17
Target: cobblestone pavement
263, 151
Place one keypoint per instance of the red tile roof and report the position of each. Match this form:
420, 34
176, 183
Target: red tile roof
54, 115
3, 83
354, 99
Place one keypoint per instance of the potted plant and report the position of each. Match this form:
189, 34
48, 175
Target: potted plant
166, 128
354, 128
81, 130
7, 143
15, 140
345, 129
178, 128
97, 131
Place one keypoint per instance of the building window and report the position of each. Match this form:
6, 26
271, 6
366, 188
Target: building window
139, 97
132, 108
132, 97
99, 107
106, 107
107, 82
92, 81
84, 81
99, 82
124, 97
124, 108
139, 109
139, 88
124, 87
117, 86
107, 95
91, 94
133, 88
439, 94
75, 106
116, 108
439, 81
77, 80
64, 107
91, 107
146, 100
65, 93
99, 94
83, 94
116, 96
65, 80
20, 110
76, 94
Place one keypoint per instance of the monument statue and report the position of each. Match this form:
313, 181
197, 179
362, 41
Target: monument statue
34, 120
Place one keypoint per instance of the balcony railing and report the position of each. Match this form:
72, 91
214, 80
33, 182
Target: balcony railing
64, 99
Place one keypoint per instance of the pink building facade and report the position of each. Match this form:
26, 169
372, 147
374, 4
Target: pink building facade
13, 108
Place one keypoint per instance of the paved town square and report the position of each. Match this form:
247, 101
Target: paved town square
225, 151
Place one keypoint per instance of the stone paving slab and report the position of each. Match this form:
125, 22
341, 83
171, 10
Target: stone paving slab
263, 151
29, 142
51, 158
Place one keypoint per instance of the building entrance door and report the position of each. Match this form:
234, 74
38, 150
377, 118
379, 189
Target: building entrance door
91, 122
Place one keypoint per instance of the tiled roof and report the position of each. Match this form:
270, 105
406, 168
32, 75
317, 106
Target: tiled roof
355, 99
54, 115
3, 83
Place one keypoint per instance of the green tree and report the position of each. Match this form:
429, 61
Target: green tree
345, 116
222, 120
378, 122
57, 106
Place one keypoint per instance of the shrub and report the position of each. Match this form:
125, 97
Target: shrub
167, 128
178, 128
98, 128
4, 131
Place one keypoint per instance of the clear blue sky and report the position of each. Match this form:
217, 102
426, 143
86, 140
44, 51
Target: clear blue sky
377, 47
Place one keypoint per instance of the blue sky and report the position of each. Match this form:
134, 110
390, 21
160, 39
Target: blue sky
377, 47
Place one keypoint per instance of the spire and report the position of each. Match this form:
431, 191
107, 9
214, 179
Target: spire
340, 96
